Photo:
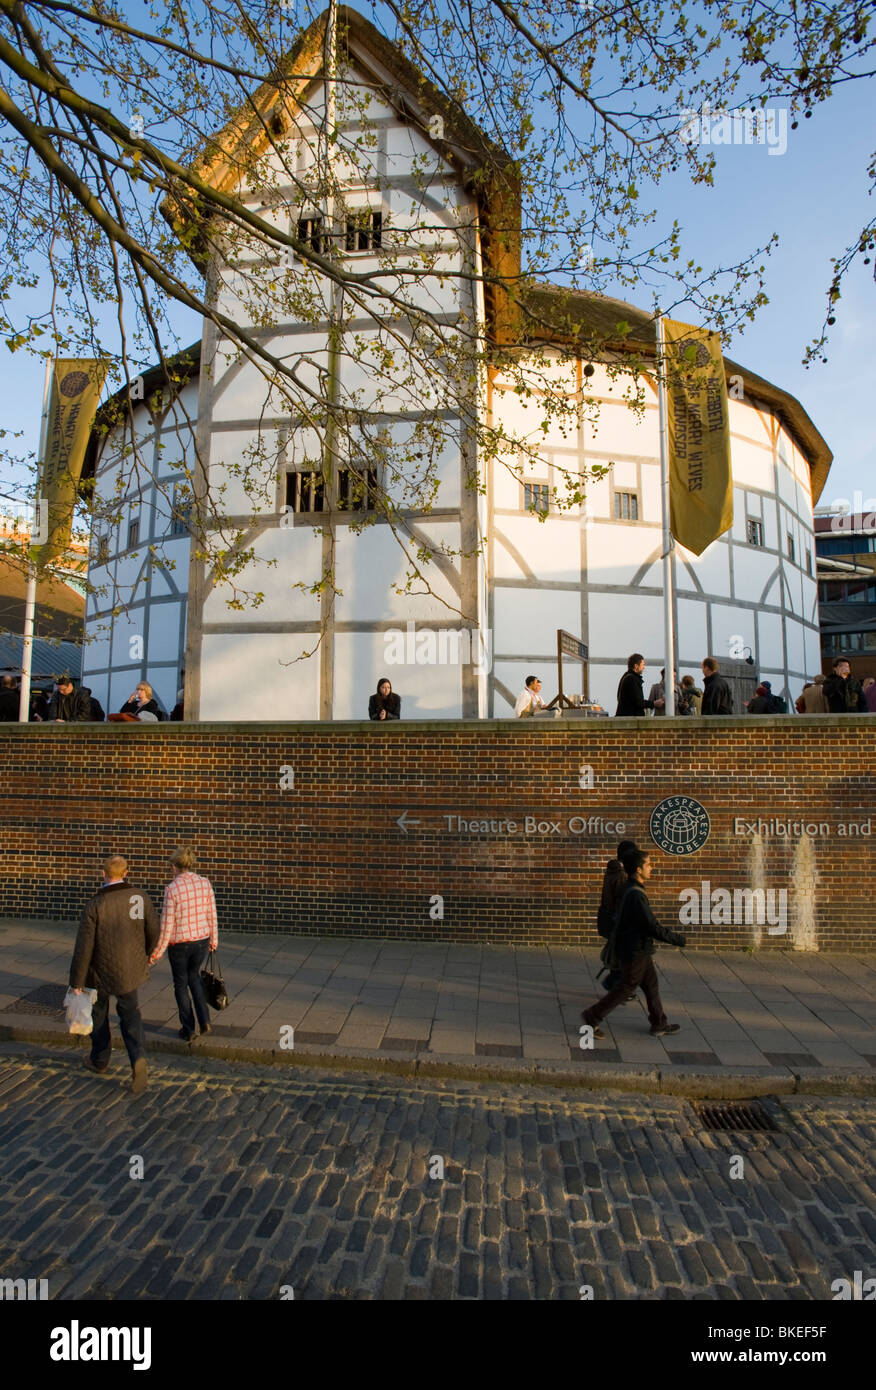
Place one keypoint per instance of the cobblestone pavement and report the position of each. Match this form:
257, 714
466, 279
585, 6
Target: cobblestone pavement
255, 1181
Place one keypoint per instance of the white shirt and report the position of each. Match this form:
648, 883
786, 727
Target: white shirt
528, 701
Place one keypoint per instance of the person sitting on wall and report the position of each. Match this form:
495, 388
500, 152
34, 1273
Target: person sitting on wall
142, 702
630, 691
529, 699
717, 695
384, 704
69, 706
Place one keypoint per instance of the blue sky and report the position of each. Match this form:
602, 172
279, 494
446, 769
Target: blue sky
814, 196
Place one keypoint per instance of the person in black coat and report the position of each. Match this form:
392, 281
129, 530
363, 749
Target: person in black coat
630, 691
142, 702
613, 882
843, 692
384, 704
717, 695
118, 932
8, 701
69, 706
632, 940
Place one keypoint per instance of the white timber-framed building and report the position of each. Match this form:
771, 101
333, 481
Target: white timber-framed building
524, 568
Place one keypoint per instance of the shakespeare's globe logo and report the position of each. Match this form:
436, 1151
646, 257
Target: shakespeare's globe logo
680, 825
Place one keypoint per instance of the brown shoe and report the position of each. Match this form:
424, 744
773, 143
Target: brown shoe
98, 1071
138, 1077
207, 1028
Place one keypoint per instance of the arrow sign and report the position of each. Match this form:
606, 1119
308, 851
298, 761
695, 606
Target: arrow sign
405, 820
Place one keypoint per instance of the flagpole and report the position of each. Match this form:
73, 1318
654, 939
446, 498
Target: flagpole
668, 619
30, 600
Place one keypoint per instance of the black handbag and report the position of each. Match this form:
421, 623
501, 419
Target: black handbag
214, 985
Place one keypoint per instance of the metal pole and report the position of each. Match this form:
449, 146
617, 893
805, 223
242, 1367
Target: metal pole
668, 624
30, 601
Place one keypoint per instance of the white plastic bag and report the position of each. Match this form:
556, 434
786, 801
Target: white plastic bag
78, 1008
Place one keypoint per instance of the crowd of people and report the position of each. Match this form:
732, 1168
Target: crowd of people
838, 693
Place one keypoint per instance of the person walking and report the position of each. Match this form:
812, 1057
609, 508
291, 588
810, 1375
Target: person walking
529, 699
613, 881
635, 932
717, 695
384, 704
119, 929
189, 931
843, 690
630, 692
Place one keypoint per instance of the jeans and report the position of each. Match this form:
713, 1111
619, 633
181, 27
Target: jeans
186, 960
638, 970
128, 1010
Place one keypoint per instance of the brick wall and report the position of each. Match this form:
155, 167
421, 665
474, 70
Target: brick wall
326, 856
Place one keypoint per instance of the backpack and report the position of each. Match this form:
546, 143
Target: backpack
777, 705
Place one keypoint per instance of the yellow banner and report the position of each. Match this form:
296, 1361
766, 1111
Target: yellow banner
75, 389
700, 483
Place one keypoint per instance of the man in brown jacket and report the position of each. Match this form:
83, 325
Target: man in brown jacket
117, 935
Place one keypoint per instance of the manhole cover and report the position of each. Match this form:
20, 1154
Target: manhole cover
45, 999
731, 1117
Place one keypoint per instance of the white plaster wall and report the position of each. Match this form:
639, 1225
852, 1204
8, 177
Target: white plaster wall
255, 675
431, 691
526, 620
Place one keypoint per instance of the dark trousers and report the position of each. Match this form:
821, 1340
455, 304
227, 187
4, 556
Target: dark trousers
128, 1010
186, 960
638, 970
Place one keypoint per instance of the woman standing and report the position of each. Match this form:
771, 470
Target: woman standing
189, 930
384, 705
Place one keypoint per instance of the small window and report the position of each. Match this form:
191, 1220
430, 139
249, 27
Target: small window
537, 497
310, 232
364, 232
754, 531
357, 491
808, 561
305, 491
102, 554
181, 511
791, 547
133, 532
626, 506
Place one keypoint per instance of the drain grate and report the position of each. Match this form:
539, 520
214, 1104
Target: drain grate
45, 999
732, 1117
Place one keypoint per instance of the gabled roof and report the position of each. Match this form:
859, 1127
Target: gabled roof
486, 170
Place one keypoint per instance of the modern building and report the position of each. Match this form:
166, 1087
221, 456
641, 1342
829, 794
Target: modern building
845, 547
519, 561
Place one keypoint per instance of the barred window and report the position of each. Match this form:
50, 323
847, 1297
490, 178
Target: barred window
181, 511
626, 506
791, 547
133, 532
365, 231
305, 491
357, 490
102, 552
537, 497
754, 531
310, 232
